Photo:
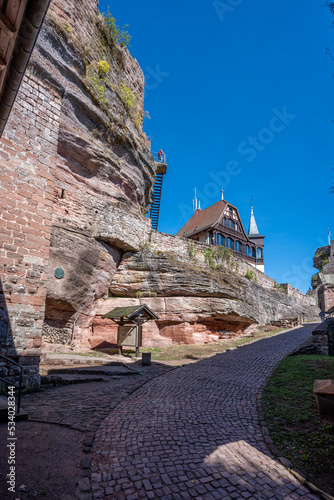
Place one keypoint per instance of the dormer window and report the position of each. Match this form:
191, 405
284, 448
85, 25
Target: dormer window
230, 223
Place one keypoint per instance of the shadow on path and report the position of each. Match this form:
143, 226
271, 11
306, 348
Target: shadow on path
194, 433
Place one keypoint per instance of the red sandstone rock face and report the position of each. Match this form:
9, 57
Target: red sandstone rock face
198, 320
104, 169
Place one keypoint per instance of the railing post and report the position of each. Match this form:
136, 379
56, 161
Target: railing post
20, 381
20, 388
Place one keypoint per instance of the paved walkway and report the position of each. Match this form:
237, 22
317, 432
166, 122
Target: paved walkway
194, 433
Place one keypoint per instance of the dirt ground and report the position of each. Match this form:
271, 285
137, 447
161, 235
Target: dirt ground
49, 451
47, 461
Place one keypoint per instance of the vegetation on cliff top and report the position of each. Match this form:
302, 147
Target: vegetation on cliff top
251, 276
114, 33
104, 59
321, 257
217, 257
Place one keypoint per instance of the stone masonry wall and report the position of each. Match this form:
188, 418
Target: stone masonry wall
104, 167
325, 282
329, 268
28, 155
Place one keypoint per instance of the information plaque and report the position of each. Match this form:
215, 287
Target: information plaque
127, 336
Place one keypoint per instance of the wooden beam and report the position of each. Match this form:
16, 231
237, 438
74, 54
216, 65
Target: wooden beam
7, 27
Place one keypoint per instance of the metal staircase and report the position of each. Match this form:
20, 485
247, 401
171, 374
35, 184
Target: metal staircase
161, 169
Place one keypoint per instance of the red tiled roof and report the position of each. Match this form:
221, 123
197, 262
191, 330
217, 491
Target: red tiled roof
203, 219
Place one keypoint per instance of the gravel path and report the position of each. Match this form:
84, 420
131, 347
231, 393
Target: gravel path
194, 433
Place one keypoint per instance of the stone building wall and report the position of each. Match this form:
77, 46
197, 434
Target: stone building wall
328, 289
323, 337
28, 151
324, 283
329, 268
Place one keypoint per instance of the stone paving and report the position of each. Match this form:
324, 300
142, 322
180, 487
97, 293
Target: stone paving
194, 433
83, 406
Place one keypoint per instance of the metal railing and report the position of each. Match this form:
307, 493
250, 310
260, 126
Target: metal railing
159, 157
19, 387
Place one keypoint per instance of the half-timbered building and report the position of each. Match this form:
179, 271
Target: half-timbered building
220, 224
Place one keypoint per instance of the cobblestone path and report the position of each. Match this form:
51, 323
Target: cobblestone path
194, 433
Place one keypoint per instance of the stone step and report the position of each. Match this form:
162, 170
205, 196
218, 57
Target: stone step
23, 415
106, 370
70, 359
65, 379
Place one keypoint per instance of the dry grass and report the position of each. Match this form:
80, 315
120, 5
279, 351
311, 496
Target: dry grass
196, 352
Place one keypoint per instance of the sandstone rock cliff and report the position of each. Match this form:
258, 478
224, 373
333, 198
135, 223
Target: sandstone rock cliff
104, 168
104, 178
197, 301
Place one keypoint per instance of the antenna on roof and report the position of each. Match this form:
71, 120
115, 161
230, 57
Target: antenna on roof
195, 203
222, 194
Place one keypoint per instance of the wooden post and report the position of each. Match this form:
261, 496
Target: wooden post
137, 341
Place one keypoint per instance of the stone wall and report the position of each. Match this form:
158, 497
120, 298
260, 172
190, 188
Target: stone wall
324, 285
329, 268
288, 322
28, 150
323, 337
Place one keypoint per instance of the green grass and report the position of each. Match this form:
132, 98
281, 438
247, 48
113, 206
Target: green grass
289, 405
199, 351
89, 354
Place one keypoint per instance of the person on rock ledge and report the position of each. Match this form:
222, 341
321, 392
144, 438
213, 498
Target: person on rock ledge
160, 155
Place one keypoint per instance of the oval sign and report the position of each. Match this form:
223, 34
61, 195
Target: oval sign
59, 273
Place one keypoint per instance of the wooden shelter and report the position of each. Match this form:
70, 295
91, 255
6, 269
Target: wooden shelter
130, 320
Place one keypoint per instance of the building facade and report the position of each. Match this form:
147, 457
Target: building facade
220, 224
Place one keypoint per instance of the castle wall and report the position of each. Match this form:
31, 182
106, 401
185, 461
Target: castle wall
325, 282
28, 151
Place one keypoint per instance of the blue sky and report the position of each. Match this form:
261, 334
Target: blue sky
240, 97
